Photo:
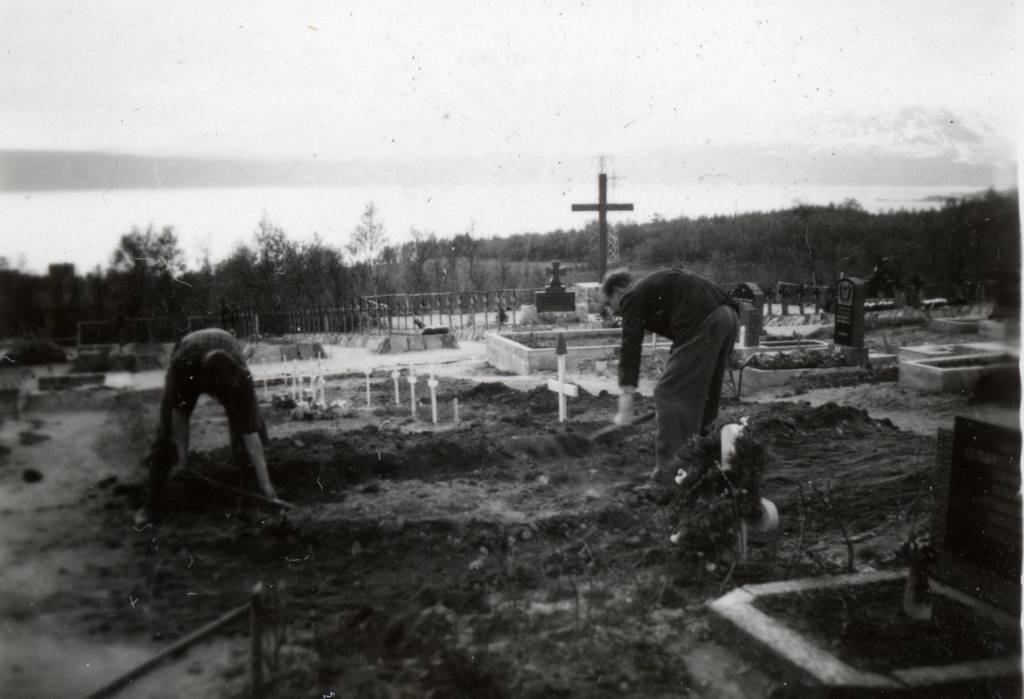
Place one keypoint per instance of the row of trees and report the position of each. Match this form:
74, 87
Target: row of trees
971, 239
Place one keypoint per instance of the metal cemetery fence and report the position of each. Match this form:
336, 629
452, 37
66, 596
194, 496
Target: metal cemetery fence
390, 313
373, 315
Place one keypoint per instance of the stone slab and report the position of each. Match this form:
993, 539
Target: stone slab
551, 301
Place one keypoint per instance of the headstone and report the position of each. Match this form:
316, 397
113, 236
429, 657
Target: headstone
977, 530
850, 296
751, 310
555, 299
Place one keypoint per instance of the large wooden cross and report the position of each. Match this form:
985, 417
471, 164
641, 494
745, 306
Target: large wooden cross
602, 207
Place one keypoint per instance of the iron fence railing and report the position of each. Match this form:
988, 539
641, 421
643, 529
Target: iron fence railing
392, 313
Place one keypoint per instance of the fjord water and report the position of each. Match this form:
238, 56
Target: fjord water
83, 226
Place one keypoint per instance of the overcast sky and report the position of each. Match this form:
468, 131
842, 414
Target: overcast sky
398, 79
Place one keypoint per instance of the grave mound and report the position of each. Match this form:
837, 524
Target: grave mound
488, 390
850, 378
800, 359
786, 421
318, 463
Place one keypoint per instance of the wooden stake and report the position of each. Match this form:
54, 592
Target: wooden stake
432, 383
143, 668
394, 376
367, 372
256, 639
560, 387
412, 391
455, 410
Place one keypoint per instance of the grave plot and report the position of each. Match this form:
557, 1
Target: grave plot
814, 367
466, 561
957, 374
947, 626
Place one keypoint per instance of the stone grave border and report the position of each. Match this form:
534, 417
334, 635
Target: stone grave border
798, 659
506, 353
932, 376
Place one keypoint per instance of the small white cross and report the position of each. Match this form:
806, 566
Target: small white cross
412, 391
432, 382
394, 376
560, 386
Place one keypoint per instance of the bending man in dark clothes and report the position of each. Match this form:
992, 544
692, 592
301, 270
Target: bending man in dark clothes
206, 361
701, 321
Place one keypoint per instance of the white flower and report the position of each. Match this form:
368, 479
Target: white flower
675, 537
680, 477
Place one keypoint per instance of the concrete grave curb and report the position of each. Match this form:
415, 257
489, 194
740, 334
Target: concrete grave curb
794, 658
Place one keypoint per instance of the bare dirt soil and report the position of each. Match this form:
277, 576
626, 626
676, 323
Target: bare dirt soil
444, 561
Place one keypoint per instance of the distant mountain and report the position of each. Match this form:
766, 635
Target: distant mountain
904, 147
22, 170
912, 146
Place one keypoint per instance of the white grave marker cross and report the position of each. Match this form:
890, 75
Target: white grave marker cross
412, 391
394, 377
432, 383
559, 386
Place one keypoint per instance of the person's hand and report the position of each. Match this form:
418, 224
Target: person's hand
624, 416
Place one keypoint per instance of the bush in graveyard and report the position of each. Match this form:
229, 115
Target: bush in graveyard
709, 503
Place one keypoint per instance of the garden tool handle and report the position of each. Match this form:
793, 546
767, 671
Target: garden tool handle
609, 429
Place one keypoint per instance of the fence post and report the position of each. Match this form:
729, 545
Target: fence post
256, 633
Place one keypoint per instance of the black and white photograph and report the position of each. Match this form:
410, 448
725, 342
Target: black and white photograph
368, 349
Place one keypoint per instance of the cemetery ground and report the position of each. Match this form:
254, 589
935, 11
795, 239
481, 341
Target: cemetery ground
433, 561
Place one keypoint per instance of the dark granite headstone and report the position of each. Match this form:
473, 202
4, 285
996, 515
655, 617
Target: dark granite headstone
850, 297
978, 529
555, 299
751, 311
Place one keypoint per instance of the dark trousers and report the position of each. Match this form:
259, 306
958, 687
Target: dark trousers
163, 455
688, 393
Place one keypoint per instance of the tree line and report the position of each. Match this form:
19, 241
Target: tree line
969, 239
